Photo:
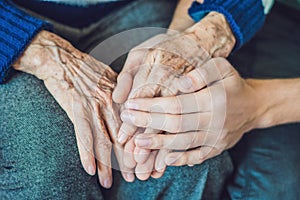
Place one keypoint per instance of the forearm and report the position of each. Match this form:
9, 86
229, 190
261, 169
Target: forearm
16, 32
212, 33
279, 101
181, 19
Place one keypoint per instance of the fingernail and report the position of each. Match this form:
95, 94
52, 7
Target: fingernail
161, 167
171, 160
129, 177
145, 142
91, 170
126, 117
122, 138
185, 82
107, 183
131, 105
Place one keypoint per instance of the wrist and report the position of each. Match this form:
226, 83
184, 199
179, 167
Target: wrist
42, 57
276, 101
213, 34
181, 20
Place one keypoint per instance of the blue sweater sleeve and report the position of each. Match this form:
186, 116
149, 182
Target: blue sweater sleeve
17, 29
244, 17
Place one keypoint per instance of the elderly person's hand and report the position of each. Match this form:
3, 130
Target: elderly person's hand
83, 88
212, 118
151, 70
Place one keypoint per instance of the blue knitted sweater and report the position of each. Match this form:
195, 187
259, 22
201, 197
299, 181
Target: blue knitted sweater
17, 28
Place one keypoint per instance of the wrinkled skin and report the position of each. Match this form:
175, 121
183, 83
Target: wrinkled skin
83, 88
152, 69
159, 69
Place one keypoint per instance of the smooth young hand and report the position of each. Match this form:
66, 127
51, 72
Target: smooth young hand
212, 118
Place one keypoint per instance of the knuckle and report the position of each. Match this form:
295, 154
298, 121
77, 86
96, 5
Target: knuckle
132, 52
185, 142
199, 157
194, 140
104, 144
175, 106
142, 121
174, 125
157, 142
222, 64
184, 159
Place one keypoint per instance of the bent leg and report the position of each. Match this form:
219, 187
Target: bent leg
267, 164
39, 156
205, 181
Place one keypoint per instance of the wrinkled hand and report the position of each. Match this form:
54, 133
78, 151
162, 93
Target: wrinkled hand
152, 70
212, 118
83, 88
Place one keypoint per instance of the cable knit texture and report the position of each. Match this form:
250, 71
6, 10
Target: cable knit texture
16, 31
244, 17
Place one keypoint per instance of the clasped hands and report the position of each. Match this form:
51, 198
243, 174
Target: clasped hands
174, 102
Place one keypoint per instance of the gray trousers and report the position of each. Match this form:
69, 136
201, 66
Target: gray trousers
38, 152
267, 161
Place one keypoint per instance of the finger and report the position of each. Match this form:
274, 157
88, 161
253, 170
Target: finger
143, 171
156, 174
141, 155
137, 54
132, 66
191, 157
103, 155
168, 122
160, 165
112, 121
181, 104
126, 131
104, 175
128, 158
84, 136
214, 70
123, 87
127, 173
85, 146
179, 141
102, 148
134, 59
140, 86
125, 78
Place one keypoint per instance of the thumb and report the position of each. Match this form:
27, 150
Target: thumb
121, 91
125, 78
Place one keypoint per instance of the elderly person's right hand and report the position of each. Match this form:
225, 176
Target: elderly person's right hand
82, 86
153, 68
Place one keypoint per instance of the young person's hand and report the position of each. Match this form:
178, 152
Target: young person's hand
219, 109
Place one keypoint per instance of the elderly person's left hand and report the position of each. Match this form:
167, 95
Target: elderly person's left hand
83, 87
212, 118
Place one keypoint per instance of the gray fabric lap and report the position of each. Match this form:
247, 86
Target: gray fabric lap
39, 156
